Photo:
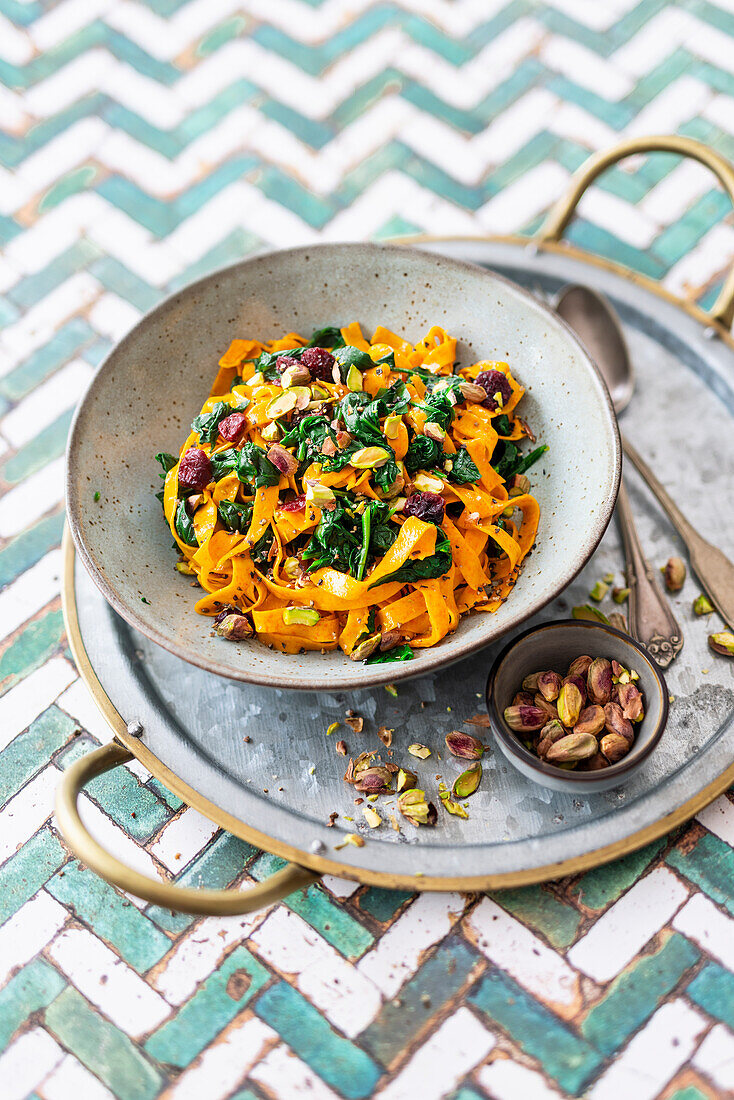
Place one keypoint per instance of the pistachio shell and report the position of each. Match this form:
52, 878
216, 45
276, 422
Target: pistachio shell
413, 805
591, 720
599, 681
615, 721
406, 780
464, 745
421, 751
579, 666
573, 747
549, 685
524, 719
614, 746
373, 780
569, 704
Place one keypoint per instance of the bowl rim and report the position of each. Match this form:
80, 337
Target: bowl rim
300, 679
503, 733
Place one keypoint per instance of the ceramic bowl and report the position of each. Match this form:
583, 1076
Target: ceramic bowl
154, 382
553, 646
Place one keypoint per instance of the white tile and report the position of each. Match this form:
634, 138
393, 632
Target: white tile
339, 887
73, 1081
32, 590
459, 1044
283, 1075
621, 933
399, 953
513, 947
715, 1058
22, 704
109, 983
700, 920
718, 818
35, 412
78, 703
183, 838
225, 1062
112, 316
112, 838
26, 811
199, 952
344, 995
27, 1061
653, 1056
506, 1080
29, 501
28, 931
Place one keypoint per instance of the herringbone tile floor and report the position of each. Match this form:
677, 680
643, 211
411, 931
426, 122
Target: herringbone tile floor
141, 145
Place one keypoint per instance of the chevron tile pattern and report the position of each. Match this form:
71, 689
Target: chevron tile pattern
142, 145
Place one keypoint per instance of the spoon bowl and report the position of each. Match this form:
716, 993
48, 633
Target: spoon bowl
595, 322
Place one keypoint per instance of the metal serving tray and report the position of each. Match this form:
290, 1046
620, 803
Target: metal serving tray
278, 788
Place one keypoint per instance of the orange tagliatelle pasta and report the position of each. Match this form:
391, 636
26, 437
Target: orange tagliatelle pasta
349, 493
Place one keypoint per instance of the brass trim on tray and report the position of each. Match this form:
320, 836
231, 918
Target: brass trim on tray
219, 902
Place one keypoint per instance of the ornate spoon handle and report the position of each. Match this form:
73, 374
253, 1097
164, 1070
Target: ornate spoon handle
651, 621
711, 566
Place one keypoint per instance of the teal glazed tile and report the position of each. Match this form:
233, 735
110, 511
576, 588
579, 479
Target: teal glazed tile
30, 751
444, 974
69, 339
599, 887
111, 915
713, 990
215, 39
78, 180
569, 1059
636, 993
539, 907
217, 866
30, 648
330, 919
39, 451
25, 873
217, 1001
337, 1061
381, 904
102, 1048
709, 863
32, 988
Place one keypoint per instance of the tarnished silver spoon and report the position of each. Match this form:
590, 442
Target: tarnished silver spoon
650, 618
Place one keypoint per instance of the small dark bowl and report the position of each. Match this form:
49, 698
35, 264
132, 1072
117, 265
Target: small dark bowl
553, 646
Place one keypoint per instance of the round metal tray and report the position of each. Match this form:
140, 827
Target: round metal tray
195, 723
259, 762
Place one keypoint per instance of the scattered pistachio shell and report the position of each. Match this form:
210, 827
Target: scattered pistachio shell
391, 690
674, 574
467, 783
185, 568
421, 751
373, 780
620, 595
385, 736
618, 621
341, 748
599, 591
702, 605
300, 616
608, 578
371, 816
332, 728
722, 643
356, 722
448, 803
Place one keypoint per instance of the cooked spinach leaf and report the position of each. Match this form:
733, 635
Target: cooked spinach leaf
337, 540
438, 408
328, 337
349, 356
399, 653
254, 468
207, 424
223, 462
265, 362
422, 454
464, 468
502, 425
423, 569
184, 526
309, 436
234, 517
166, 460
508, 461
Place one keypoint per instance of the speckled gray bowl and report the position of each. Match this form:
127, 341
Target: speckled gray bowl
553, 646
154, 382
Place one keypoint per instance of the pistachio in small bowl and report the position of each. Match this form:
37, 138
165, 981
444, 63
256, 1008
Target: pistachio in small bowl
576, 705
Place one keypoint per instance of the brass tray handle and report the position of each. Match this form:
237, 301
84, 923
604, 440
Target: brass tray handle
218, 903
561, 213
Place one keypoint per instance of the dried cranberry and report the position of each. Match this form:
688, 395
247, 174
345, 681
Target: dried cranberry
232, 426
227, 609
494, 381
283, 362
194, 470
425, 506
298, 504
320, 363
